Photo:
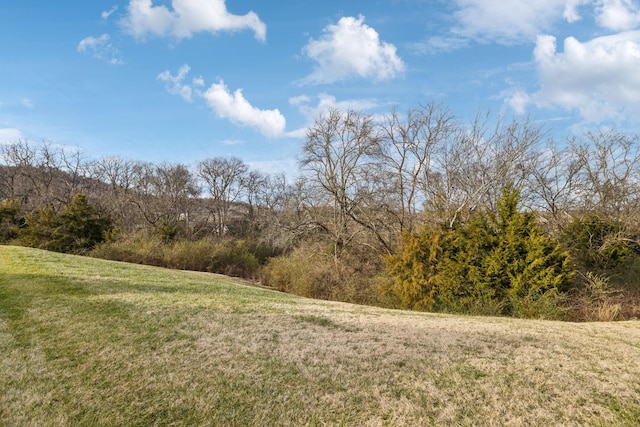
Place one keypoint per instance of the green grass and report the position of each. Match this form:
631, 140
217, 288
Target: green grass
97, 343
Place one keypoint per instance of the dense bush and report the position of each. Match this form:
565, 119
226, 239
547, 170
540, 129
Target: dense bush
606, 254
600, 244
293, 273
234, 258
165, 230
494, 264
230, 257
313, 271
135, 248
9, 220
187, 255
77, 229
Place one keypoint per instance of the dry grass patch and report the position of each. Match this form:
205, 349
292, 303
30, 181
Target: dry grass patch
90, 342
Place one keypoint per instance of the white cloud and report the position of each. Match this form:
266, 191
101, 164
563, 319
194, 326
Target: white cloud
511, 21
312, 108
617, 15
90, 42
175, 84
519, 101
571, 13
351, 49
100, 48
186, 18
144, 18
519, 21
107, 13
234, 106
10, 135
198, 81
598, 78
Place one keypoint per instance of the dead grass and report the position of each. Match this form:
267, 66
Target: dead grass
90, 342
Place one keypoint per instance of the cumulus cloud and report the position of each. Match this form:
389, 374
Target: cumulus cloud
571, 13
521, 21
512, 21
349, 49
186, 18
598, 78
234, 106
175, 84
518, 100
617, 15
100, 48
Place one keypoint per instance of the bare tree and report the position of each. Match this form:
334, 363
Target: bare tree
224, 179
19, 160
176, 187
118, 176
48, 165
610, 167
164, 193
408, 147
340, 147
553, 185
41, 174
253, 184
75, 172
470, 169
284, 219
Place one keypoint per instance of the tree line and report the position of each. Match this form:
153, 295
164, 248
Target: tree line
380, 203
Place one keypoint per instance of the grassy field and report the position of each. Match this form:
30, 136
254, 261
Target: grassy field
91, 342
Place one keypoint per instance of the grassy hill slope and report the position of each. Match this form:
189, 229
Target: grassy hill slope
91, 342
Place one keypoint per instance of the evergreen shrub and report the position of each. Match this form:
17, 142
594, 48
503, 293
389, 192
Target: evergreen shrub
77, 229
497, 263
10, 220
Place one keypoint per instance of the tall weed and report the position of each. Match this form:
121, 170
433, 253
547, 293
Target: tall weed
596, 300
312, 271
234, 258
188, 255
230, 257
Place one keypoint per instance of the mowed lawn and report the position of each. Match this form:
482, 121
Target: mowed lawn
91, 342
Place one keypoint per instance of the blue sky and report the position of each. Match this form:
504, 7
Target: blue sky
186, 80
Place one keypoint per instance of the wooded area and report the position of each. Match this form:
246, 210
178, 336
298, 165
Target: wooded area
420, 210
